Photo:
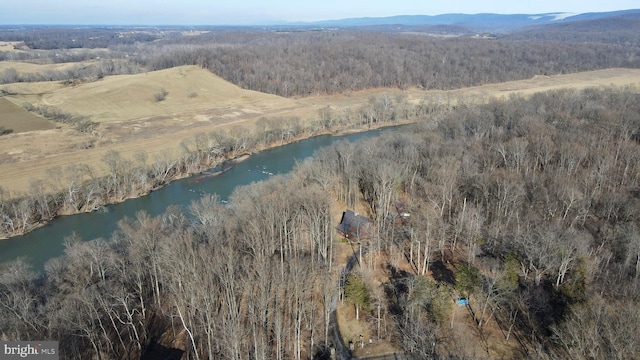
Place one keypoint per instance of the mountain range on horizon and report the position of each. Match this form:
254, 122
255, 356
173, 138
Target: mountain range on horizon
474, 22
451, 23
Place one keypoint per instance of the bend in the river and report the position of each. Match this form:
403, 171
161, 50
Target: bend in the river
46, 242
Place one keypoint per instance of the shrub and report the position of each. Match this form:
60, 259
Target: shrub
161, 95
5, 131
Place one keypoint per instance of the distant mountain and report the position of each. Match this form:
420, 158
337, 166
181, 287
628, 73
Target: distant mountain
621, 29
475, 22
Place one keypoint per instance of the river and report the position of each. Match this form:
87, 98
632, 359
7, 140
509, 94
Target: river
46, 242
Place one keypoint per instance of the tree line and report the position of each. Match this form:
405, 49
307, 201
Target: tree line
72, 75
527, 207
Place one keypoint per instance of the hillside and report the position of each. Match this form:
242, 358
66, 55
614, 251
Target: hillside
621, 30
129, 118
128, 97
28, 67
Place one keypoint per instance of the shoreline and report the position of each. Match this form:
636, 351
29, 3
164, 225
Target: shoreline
232, 161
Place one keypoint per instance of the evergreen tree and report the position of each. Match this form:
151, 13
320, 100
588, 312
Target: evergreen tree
356, 292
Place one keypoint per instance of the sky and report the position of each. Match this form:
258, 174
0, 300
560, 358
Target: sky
256, 12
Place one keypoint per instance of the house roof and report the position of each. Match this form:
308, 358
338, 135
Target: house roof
352, 222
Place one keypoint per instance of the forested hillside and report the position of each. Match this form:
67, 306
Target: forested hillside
325, 63
340, 60
618, 30
528, 207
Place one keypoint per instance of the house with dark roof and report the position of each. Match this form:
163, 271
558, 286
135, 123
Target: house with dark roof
355, 227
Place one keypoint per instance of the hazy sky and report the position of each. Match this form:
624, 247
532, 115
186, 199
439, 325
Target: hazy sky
217, 12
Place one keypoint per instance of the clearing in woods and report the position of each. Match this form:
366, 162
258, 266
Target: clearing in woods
131, 119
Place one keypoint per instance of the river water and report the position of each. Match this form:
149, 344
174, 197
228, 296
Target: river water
46, 242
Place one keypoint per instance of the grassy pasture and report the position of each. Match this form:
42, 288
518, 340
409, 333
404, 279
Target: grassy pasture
9, 46
27, 67
19, 120
189, 89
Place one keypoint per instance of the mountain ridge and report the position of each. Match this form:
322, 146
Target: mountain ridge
477, 22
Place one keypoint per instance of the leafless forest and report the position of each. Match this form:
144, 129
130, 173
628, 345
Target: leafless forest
303, 63
528, 207
535, 201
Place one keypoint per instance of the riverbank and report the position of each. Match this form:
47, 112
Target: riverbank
33, 164
106, 198
176, 197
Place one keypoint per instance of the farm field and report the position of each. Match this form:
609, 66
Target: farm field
197, 101
27, 67
9, 46
16, 119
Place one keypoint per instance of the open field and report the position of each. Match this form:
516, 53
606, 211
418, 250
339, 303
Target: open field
539, 83
17, 119
190, 90
26, 89
26, 68
198, 101
20, 47
9, 46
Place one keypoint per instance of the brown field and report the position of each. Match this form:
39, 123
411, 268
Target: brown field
27, 92
17, 119
8, 46
198, 101
191, 90
28, 68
